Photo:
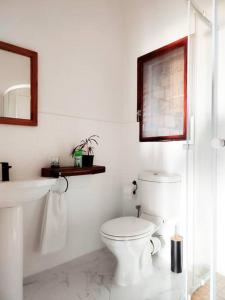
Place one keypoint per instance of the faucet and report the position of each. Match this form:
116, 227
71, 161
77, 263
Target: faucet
5, 171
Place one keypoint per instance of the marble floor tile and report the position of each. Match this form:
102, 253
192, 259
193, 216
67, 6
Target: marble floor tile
90, 278
203, 293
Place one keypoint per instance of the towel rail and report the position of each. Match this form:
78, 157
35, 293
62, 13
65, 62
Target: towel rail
67, 182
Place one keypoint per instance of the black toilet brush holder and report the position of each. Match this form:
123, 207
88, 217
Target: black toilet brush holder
177, 254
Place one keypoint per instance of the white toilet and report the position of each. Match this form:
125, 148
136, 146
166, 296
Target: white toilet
134, 240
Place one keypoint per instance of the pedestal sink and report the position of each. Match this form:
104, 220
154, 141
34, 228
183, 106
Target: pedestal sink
12, 196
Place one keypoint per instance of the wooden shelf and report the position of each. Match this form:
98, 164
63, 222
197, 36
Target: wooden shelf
71, 171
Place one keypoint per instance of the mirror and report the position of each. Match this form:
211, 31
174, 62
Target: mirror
18, 85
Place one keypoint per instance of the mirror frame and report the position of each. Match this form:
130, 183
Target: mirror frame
33, 121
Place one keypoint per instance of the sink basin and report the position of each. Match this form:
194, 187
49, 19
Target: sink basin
12, 195
15, 193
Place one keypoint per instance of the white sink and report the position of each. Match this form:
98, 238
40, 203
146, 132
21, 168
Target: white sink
12, 195
15, 193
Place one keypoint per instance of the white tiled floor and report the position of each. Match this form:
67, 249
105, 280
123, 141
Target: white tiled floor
203, 293
90, 278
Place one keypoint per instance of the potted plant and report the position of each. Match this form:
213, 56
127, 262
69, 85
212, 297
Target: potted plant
86, 148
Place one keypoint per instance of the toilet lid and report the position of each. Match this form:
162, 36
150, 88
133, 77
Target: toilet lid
127, 227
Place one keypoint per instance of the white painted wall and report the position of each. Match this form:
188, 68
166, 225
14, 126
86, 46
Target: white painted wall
80, 78
87, 68
83, 80
149, 25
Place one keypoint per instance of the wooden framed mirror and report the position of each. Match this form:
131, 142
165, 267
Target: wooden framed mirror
18, 85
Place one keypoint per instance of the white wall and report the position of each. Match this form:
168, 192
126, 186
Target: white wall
80, 77
87, 84
149, 25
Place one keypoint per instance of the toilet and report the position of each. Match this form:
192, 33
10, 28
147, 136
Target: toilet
134, 240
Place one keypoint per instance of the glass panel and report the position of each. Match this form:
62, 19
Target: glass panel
15, 94
219, 99
199, 156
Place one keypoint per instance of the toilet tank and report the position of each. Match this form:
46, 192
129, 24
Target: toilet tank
160, 194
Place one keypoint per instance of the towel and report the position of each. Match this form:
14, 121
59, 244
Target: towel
54, 224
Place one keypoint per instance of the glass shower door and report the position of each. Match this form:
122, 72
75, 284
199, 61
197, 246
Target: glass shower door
206, 150
199, 150
219, 159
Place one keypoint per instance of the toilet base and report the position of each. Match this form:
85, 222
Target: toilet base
134, 260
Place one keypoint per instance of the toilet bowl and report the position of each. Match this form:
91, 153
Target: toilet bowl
129, 240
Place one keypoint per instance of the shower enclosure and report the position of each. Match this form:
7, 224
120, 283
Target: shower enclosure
206, 150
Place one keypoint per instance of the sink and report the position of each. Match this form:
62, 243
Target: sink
15, 193
12, 195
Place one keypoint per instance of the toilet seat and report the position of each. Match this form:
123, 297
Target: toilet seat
124, 238
127, 228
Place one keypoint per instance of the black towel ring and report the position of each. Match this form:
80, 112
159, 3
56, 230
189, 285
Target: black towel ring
67, 182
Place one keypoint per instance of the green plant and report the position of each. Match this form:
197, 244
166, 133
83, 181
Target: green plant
87, 145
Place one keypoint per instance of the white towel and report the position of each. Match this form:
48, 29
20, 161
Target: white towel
54, 225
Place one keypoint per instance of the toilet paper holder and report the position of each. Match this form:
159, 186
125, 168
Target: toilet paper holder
135, 187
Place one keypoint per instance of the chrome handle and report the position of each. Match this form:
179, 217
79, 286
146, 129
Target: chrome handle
217, 143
